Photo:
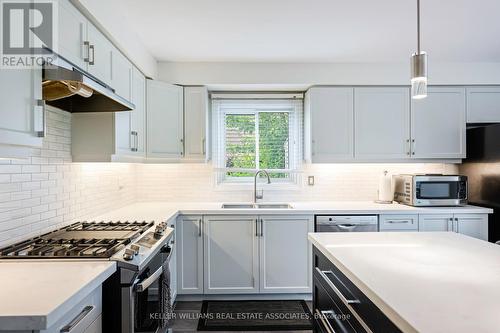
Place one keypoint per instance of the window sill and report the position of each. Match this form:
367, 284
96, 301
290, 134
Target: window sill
235, 186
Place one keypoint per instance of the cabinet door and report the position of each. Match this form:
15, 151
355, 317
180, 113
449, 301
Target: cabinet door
231, 253
123, 133
121, 74
435, 222
138, 116
473, 225
164, 120
382, 123
438, 124
483, 105
329, 128
398, 223
72, 34
285, 261
189, 245
22, 118
195, 122
100, 55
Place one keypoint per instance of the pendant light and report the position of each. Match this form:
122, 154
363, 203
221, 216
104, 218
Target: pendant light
418, 66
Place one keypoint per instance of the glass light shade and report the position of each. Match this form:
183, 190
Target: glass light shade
419, 75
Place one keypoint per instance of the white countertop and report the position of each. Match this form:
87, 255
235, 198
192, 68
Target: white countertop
160, 211
36, 293
424, 282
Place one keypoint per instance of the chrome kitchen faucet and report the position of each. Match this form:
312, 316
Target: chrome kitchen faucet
257, 196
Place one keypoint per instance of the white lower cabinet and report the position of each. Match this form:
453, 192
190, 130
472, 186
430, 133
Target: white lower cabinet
231, 253
398, 222
285, 254
473, 225
189, 256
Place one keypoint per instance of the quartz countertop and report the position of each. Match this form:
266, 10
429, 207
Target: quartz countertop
36, 293
424, 282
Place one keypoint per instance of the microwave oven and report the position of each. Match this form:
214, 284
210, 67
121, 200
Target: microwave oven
430, 190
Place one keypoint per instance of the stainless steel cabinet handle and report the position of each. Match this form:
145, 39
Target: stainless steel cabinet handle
92, 48
199, 228
326, 324
68, 328
182, 147
86, 45
398, 221
450, 224
42, 130
140, 287
203, 147
408, 152
413, 146
350, 300
256, 227
135, 141
261, 228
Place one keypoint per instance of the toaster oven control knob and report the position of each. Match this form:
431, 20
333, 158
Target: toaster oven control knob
129, 254
135, 248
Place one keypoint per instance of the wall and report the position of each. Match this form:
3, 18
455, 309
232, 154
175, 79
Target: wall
46, 190
218, 73
343, 182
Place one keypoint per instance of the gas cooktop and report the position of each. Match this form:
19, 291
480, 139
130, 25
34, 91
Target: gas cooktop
79, 240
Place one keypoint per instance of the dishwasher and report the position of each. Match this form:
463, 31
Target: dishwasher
346, 223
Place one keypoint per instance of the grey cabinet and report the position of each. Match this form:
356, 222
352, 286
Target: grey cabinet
72, 34
435, 222
100, 51
189, 256
438, 126
473, 225
231, 253
398, 222
285, 254
483, 104
196, 120
329, 124
382, 123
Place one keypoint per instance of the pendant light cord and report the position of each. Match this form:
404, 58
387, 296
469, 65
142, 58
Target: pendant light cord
418, 26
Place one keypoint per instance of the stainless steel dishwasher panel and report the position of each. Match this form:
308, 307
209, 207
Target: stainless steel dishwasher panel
346, 223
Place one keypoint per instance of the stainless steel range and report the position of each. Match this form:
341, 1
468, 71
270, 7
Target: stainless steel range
132, 297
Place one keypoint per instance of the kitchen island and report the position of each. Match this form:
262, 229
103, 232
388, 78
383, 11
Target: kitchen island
406, 282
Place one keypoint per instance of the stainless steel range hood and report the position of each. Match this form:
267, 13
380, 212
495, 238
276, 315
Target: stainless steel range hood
69, 88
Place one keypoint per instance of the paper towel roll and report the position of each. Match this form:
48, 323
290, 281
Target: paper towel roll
385, 188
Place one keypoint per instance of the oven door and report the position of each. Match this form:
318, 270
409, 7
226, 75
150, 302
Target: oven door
441, 191
147, 313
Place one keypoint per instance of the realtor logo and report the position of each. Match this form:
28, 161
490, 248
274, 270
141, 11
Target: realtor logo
28, 32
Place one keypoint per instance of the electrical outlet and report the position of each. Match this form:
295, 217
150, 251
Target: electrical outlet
310, 180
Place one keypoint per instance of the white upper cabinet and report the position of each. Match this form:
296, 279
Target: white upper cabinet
382, 123
100, 55
329, 131
438, 125
483, 105
196, 122
121, 75
23, 117
72, 34
164, 120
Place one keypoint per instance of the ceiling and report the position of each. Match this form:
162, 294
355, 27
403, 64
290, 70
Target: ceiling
313, 30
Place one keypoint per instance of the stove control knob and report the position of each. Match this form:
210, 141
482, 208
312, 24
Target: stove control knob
129, 254
158, 232
135, 248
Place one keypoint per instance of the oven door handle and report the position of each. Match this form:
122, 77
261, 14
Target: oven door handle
140, 287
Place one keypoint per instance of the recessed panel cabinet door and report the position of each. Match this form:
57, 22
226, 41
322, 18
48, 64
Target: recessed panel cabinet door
189, 255
231, 263
329, 124
164, 120
438, 124
483, 105
382, 123
138, 116
100, 55
195, 118
435, 222
473, 225
72, 34
285, 254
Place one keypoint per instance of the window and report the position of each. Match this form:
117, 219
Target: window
257, 134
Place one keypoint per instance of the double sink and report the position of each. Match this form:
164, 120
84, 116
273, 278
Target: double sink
256, 206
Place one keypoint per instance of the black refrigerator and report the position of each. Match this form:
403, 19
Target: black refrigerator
482, 167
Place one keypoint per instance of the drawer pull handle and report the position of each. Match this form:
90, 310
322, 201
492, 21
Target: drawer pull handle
325, 322
68, 328
348, 300
398, 221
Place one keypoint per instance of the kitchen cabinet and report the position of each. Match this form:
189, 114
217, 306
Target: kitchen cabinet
285, 254
100, 62
196, 120
231, 254
438, 125
189, 256
121, 74
398, 222
72, 34
473, 225
165, 119
483, 104
23, 114
329, 124
382, 123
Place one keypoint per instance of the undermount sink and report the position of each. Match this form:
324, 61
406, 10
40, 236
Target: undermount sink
256, 206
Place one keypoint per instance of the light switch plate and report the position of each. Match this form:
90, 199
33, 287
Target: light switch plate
310, 180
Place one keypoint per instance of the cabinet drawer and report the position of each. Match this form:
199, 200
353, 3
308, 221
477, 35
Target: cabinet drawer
82, 316
398, 222
338, 286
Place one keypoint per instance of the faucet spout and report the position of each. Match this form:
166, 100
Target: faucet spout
257, 196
